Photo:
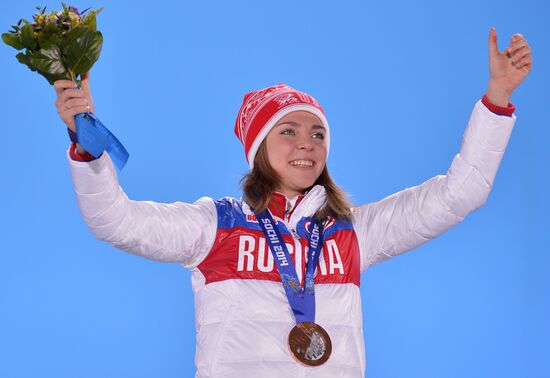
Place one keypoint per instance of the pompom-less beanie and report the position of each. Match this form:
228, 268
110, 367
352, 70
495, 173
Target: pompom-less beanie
263, 108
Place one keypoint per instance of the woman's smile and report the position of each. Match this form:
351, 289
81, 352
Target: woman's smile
302, 163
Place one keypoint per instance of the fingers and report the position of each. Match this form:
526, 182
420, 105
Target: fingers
519, 52
70, 93
518, 55
516, 36
76, 102
70, 102
516, 45
526, 61
63, 100
61, 85
67, 114
493, 46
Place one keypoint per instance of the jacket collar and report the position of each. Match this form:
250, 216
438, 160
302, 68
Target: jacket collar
304, 205
292, 210
282, 207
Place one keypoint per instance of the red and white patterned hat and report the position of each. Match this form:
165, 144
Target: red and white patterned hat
263, 108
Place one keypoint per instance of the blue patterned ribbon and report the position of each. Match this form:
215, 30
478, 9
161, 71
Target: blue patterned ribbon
96, 138
301, 299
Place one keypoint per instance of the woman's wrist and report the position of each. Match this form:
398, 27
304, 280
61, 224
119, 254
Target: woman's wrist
79, 150
500, 110
81, 155
498, 96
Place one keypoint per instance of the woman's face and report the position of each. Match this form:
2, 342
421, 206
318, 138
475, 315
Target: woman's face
297, 151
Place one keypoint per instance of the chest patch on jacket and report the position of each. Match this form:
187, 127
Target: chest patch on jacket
240, 250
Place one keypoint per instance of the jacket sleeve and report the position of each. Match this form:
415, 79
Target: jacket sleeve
174, 232
411, 217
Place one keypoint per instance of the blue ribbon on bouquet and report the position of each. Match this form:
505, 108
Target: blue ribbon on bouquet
95, 138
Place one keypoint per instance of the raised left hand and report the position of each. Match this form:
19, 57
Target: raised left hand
507, 69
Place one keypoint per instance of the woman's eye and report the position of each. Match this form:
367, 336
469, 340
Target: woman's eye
287, 132
319, 135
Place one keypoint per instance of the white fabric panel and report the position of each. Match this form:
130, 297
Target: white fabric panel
174, 232
409, 218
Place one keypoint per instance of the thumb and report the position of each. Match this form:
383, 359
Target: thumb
85, 82
85, 77
493, 47
85, 86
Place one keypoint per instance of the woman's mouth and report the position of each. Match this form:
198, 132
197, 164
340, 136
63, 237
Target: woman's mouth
302, 163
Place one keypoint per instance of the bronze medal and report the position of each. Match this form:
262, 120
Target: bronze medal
310, 343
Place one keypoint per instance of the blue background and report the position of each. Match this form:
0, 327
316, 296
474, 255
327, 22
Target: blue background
397, 80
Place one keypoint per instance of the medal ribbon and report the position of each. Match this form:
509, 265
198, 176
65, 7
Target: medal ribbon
96, 138
301, 299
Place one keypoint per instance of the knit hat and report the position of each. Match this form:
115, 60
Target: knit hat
263, 108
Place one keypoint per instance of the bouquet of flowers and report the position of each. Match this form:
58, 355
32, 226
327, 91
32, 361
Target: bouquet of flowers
65, 45
58, 45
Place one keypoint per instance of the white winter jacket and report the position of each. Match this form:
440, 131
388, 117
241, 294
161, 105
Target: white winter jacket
242, 313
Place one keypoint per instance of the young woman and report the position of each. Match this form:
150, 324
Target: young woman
276, 274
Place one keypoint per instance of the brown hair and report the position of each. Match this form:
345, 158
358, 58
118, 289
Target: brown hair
259, 184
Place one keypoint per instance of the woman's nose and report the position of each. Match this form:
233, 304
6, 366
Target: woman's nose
304, 144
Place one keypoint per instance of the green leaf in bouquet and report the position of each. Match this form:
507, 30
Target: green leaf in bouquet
27, 37
82, 53
68, 37
13, 40
48, 37
49, 63
24, 59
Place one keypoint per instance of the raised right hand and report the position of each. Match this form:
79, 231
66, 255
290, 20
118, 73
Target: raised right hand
507, 69
71, 101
